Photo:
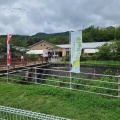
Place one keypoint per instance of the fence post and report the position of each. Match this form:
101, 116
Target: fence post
7, 73
94, 74
70, 80
35, 74
119, 86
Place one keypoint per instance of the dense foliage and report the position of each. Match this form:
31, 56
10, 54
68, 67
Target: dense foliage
90, 34
18, 45
108, 51
33, 56
99, 34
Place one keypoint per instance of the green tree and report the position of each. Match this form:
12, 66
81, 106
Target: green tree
17, 47
108, 51
59, 40
33, 56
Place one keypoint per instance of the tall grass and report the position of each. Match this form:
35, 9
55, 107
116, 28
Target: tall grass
59, 102
81, 82
103, 84
101, 63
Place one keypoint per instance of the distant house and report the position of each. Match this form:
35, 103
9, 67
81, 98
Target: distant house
39, 47
89, 48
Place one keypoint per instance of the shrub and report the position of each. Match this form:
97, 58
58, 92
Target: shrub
33, 56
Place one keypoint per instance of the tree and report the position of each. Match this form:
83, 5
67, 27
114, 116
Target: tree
59, 40
108, 51
17, 47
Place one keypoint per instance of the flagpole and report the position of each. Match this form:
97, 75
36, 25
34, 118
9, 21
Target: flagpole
7, 59
70, 59
7, 72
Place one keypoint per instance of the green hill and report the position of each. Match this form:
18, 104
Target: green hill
30, 40
46, 36
90, 34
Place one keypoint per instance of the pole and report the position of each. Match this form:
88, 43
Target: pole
7, 60
70, 59
119, 86
7, 73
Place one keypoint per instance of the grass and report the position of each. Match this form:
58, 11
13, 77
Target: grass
86, 85
92, 62
101, 63
59, 102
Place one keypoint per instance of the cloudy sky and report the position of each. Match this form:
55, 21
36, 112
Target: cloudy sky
28, 17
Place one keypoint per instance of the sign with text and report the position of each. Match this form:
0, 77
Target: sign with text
76, 47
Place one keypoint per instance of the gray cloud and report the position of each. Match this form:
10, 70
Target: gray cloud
8, 2
30, 17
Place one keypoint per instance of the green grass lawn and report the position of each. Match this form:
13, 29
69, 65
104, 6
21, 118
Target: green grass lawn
59, 102
93, 62
101, 63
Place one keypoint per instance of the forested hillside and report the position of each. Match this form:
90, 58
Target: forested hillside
46, 36
90, 34
99, 34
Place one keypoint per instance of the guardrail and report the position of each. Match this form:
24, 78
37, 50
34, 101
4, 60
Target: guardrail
15, 62
107, 85
9, 113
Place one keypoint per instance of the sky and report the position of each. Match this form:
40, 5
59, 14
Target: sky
28, 17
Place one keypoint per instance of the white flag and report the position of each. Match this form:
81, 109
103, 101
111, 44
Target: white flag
76, 47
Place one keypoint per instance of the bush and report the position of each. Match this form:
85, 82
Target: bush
85, 57
33, 56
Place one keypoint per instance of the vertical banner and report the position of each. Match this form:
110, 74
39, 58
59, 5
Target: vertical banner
76, 47
8, 49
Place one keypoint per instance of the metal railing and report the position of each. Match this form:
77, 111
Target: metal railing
15, 62
107, 85
9, 113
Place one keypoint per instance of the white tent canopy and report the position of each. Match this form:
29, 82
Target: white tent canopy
35, 52
90, 51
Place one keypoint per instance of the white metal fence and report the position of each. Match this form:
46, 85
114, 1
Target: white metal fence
107, 85
8, 113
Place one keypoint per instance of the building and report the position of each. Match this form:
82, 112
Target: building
88, 48
40, 47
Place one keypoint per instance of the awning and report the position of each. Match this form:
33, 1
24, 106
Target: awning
90, 51
35, 52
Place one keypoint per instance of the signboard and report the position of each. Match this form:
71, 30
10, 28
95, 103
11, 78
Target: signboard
8, 49
76, 47
45, 53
